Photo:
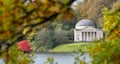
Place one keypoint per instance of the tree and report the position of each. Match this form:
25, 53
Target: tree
53, 35
18, 18
18, 15
92, 9
108, 52
112, 24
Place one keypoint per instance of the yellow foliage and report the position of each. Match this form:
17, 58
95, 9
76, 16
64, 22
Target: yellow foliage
15, 15
26, 30
112, 21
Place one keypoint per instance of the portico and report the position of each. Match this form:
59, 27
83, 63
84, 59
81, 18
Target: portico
85, 31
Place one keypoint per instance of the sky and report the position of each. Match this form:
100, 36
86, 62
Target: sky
75, 3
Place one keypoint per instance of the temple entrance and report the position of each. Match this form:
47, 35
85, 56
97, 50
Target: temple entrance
86, 31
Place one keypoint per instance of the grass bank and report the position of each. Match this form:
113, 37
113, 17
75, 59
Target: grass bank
74, 47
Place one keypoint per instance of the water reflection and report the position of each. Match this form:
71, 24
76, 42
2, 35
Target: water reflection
60, 58
1, 61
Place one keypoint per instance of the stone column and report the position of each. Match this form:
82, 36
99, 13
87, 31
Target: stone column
97, 35
74, 35
80, 36
94, 33
84, 37
87, 36
92, 37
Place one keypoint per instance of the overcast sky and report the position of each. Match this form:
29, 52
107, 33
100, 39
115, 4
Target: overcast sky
75, 3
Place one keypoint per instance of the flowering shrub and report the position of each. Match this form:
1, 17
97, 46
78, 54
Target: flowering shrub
15, 56
24, 46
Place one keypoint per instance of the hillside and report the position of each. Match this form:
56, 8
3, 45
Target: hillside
74, 47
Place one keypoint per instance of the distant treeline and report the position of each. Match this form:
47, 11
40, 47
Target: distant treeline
61, 32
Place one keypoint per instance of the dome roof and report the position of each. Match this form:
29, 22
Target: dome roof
86, 22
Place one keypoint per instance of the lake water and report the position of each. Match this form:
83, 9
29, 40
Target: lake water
60, 58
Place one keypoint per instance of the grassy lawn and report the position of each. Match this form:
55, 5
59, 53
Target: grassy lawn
74, 47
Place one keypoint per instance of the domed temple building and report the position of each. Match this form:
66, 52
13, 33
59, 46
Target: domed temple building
86, 31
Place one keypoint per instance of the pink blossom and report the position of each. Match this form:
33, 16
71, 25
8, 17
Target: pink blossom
24, 45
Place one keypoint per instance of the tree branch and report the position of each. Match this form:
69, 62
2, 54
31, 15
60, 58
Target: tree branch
36, 24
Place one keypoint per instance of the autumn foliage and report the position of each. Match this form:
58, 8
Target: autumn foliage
108, 51
18, 15
92, 9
